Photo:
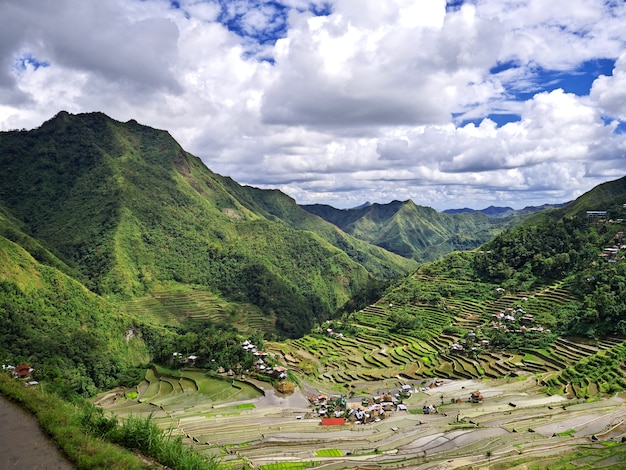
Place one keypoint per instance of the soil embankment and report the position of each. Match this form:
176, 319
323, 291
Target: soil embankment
22, 443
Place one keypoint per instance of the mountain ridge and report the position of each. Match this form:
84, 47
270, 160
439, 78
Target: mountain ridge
420, 232
125, 206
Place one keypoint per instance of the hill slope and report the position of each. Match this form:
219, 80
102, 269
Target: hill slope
129, 211
76, 340
414, 231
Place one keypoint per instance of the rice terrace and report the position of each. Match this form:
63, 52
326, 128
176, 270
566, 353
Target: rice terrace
444, 395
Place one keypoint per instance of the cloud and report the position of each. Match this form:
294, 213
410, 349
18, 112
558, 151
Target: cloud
610, 92
342, 101
93, 37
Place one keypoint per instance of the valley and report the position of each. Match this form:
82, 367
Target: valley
514, 425
127, 265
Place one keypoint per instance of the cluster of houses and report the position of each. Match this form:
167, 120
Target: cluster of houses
617, 251
182, 359
275, 372
335, 410
328, 331
469, 344
515, 320
21, 371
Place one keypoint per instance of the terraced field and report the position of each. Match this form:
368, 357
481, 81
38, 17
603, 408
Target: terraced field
375, 352
515, 425
175, 305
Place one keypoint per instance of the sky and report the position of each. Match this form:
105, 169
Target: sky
450, 104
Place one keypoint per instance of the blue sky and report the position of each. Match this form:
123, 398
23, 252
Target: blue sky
450, 104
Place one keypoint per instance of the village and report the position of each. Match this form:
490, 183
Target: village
339, 409
616, 252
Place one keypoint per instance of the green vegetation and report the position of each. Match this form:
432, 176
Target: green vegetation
128, 211
560, 298
75, 339
289, 465
329, 453
142, 435
120, 252
417, 232
93, 441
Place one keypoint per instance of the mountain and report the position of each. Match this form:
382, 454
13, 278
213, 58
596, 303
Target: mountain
125, 211
568, 247
413, 231
494, 211
75, 338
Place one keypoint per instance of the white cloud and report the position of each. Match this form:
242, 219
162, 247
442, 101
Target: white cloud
370, 102
610, 92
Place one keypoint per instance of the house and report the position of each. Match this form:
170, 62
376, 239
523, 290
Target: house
476, 397
333, 421
596, 215
279, 372
22, 371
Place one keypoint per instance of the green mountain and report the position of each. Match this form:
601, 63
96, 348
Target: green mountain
76, 339
417, 232
564, 247
124, 209
495, 211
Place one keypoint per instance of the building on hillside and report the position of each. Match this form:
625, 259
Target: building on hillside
596, 216
22, 371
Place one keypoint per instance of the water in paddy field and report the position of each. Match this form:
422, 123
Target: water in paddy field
23, 445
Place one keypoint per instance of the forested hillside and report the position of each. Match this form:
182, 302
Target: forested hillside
128, 212
567, 246
77, 341
547, 297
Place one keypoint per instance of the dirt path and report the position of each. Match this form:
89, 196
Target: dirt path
23, 445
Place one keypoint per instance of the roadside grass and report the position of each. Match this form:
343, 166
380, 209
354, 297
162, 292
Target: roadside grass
61, 420
92, 441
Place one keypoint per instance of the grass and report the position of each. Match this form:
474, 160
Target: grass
62, 421
329, 453
143, 435
288, 465
246, 406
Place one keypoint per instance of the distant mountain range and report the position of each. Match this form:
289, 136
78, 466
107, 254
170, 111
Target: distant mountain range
419, 232
495, 211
